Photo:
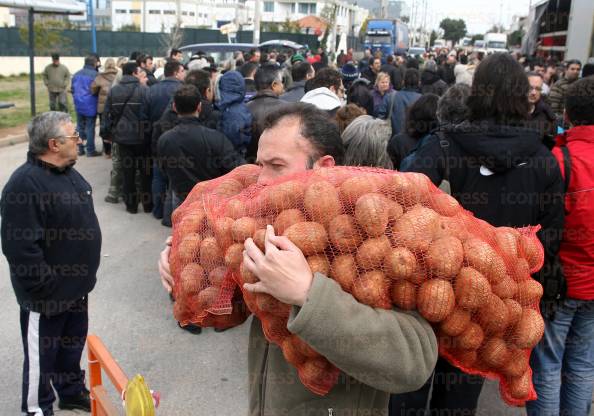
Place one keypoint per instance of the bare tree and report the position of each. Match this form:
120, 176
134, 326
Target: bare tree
174, 38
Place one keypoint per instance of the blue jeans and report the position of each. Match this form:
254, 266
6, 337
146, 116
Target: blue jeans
159, 189
563, 362
86, 128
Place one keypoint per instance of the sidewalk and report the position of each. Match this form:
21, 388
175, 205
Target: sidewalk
13, 135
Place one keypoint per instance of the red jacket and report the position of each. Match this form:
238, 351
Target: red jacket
577, 247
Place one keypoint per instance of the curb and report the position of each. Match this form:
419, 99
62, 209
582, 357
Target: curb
13, 140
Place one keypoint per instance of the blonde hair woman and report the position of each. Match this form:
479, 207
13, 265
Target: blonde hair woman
381, 88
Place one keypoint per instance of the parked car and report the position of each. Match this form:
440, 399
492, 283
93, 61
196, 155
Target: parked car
416, 51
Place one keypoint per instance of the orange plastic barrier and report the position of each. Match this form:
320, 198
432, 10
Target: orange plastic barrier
100, 359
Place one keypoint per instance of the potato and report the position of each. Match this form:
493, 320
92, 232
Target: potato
444, 257
400, 263
456, 322
444, 204
407, 189
481, 256
372, 289
520, 270
472, 289
371, 212
181, 312
344, 233
532, 251
234, 256
450, 227
529, 329
436, 300
192, 279
192, 222
228, 188
371, 252
314, 371
217, 276
514, 311
259, 238
494, 353
285, 195
291, 353
210, 254
287, 218
319, 264
493, 315
310, 237
471, 338
269, 304
189, 248
247, 174
222, 231
303, 348
395, 210
246, 275
529, 292
235, 209
507, 240
467, 358
506, 288
519, 387
242, 229
321, 202
404, 295
344, 271
207, 298
275, 327
517, 363
354, 188
415, 228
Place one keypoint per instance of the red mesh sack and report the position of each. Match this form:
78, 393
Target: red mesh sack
393, 239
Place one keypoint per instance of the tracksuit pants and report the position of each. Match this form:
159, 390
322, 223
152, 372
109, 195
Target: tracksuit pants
53, 347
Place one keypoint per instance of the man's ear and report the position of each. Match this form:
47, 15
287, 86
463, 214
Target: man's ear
174, 107
325, 162
199, 108
52, 145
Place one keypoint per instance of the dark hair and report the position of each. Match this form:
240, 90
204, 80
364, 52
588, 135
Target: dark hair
573, 62
129, 68
174, 51
316, 126
588, 70
327, 77
55, 56
134, 55
412, 63
372, 60
499, 90
200, 79
464, 59
171, 68
266, 75
421, 117
390, 59
253, 51
143, 58
248, 69
412, 78
360, 94
91, 61
300, 70
452, 108
346, 114
186, 99
533, 74
579, 102
535, 62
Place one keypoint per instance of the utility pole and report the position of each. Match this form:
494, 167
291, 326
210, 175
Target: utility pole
93, 28
384, 9
257, 8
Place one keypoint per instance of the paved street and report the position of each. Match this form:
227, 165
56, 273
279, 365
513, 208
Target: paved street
202, 375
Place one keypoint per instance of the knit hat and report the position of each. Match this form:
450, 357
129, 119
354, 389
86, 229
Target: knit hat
297, 58
349, 72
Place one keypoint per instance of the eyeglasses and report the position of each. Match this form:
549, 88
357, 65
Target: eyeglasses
539, 89
74, 137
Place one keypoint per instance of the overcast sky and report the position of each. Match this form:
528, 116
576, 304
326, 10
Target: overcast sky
479, 15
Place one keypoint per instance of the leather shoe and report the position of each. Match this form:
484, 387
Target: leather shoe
82, 401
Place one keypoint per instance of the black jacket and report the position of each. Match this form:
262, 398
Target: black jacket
190, 153
544, 119
50, 236
395, 76
260, 106
400, 146
294, 93
369, 75
503, 175
160, 95
447, 74
431, 83
133, 127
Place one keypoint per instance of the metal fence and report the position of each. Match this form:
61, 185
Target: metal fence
78, 42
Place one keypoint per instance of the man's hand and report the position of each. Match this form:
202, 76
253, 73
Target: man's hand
283, 271
164, 270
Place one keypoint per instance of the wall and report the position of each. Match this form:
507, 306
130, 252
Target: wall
15, 65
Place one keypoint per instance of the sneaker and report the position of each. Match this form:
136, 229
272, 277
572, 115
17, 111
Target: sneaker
111, 199
80, 402
94, 154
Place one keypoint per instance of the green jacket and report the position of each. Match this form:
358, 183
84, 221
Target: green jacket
56, 78
556, 97
378, 351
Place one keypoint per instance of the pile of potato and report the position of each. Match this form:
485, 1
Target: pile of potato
389, 239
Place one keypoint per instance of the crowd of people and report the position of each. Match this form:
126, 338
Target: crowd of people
510, 137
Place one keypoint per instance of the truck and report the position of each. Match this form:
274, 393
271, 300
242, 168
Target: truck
496, 43
560, 30
390, 36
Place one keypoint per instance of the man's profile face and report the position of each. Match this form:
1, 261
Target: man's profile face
550, 71
178, 56
180, 75
141, 75
68, 144
535, 89
539, 70
573, 72
149, 65
282, 151
256, 57
377, 64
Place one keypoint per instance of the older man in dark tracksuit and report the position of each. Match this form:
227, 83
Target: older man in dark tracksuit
52, 241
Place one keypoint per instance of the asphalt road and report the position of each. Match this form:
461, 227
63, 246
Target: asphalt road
198, 375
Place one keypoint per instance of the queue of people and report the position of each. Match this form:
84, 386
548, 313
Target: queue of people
499, 154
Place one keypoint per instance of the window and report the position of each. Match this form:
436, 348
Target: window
199, 14
154, 11
168, 11
184, 13
312, 8
269, 7
192, 14
292, 8
134, 11
303, 9
120, 11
